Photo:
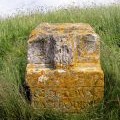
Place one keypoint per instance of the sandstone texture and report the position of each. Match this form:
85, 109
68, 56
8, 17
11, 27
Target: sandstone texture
63, 70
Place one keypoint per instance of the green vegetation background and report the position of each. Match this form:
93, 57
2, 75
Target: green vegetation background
14, 34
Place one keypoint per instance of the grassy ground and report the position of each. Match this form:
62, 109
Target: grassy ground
14, 34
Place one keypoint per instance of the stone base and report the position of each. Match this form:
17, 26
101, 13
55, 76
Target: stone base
67, 90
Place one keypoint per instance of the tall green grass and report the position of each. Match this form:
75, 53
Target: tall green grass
14, 34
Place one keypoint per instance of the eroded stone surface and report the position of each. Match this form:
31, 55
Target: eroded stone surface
63, 70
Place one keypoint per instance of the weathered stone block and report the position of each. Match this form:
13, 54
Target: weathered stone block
63, 70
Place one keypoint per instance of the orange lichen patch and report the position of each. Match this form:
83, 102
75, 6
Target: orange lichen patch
75, 88
63, 70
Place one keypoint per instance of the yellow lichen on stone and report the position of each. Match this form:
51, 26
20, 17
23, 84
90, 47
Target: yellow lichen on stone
63, 70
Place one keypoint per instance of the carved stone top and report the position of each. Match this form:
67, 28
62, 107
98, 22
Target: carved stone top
65, 44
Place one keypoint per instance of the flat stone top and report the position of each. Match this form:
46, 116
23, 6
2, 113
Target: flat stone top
47, 29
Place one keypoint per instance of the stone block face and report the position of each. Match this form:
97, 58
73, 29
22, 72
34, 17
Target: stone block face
63, 70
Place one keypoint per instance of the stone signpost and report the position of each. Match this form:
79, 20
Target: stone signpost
63, 70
